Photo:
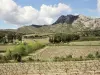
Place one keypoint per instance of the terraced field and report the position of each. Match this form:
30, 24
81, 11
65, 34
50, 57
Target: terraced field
86, 43
50, 52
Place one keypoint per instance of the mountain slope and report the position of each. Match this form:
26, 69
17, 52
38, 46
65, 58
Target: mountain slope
69, 23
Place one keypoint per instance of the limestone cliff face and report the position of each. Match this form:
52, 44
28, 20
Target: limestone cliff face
79, 21
87, 22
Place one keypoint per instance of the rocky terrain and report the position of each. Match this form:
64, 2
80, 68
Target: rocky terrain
52, 68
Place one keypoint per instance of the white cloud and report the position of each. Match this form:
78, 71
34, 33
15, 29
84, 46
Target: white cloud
98, 5
15, 14
76, 14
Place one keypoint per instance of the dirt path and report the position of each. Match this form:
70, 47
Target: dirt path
36, 53
39, 51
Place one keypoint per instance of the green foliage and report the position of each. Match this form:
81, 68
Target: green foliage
23, 49
3, 59
97, 54
90, 56
17, 57
9, 36
59, 59
69, 38
20, 49
69, 56
30, 59
35, 36
62, 37
19, 36
57, 38
8, 54
51, 39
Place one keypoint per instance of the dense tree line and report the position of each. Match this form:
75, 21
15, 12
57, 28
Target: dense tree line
35, 36
62, 37
9, 37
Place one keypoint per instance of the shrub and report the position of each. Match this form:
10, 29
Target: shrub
51, 39
19, 37
30, 59
76, 37
8, 54
56, 59
17, 57
3, 59
19, 49
81, 58
90, 56
59, 59
69, 56
97, 54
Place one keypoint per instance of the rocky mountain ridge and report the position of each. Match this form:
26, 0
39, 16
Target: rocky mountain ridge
69, 23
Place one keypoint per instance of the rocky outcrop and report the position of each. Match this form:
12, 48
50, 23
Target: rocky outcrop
66, 19
87, 22
76, 21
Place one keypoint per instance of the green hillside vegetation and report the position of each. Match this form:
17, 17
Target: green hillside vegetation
23, 49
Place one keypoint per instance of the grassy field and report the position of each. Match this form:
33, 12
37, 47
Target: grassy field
49, 52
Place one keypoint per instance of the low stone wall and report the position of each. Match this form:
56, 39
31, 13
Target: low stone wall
51, 68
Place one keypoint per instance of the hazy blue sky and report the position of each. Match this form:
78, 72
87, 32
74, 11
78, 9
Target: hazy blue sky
16, 13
